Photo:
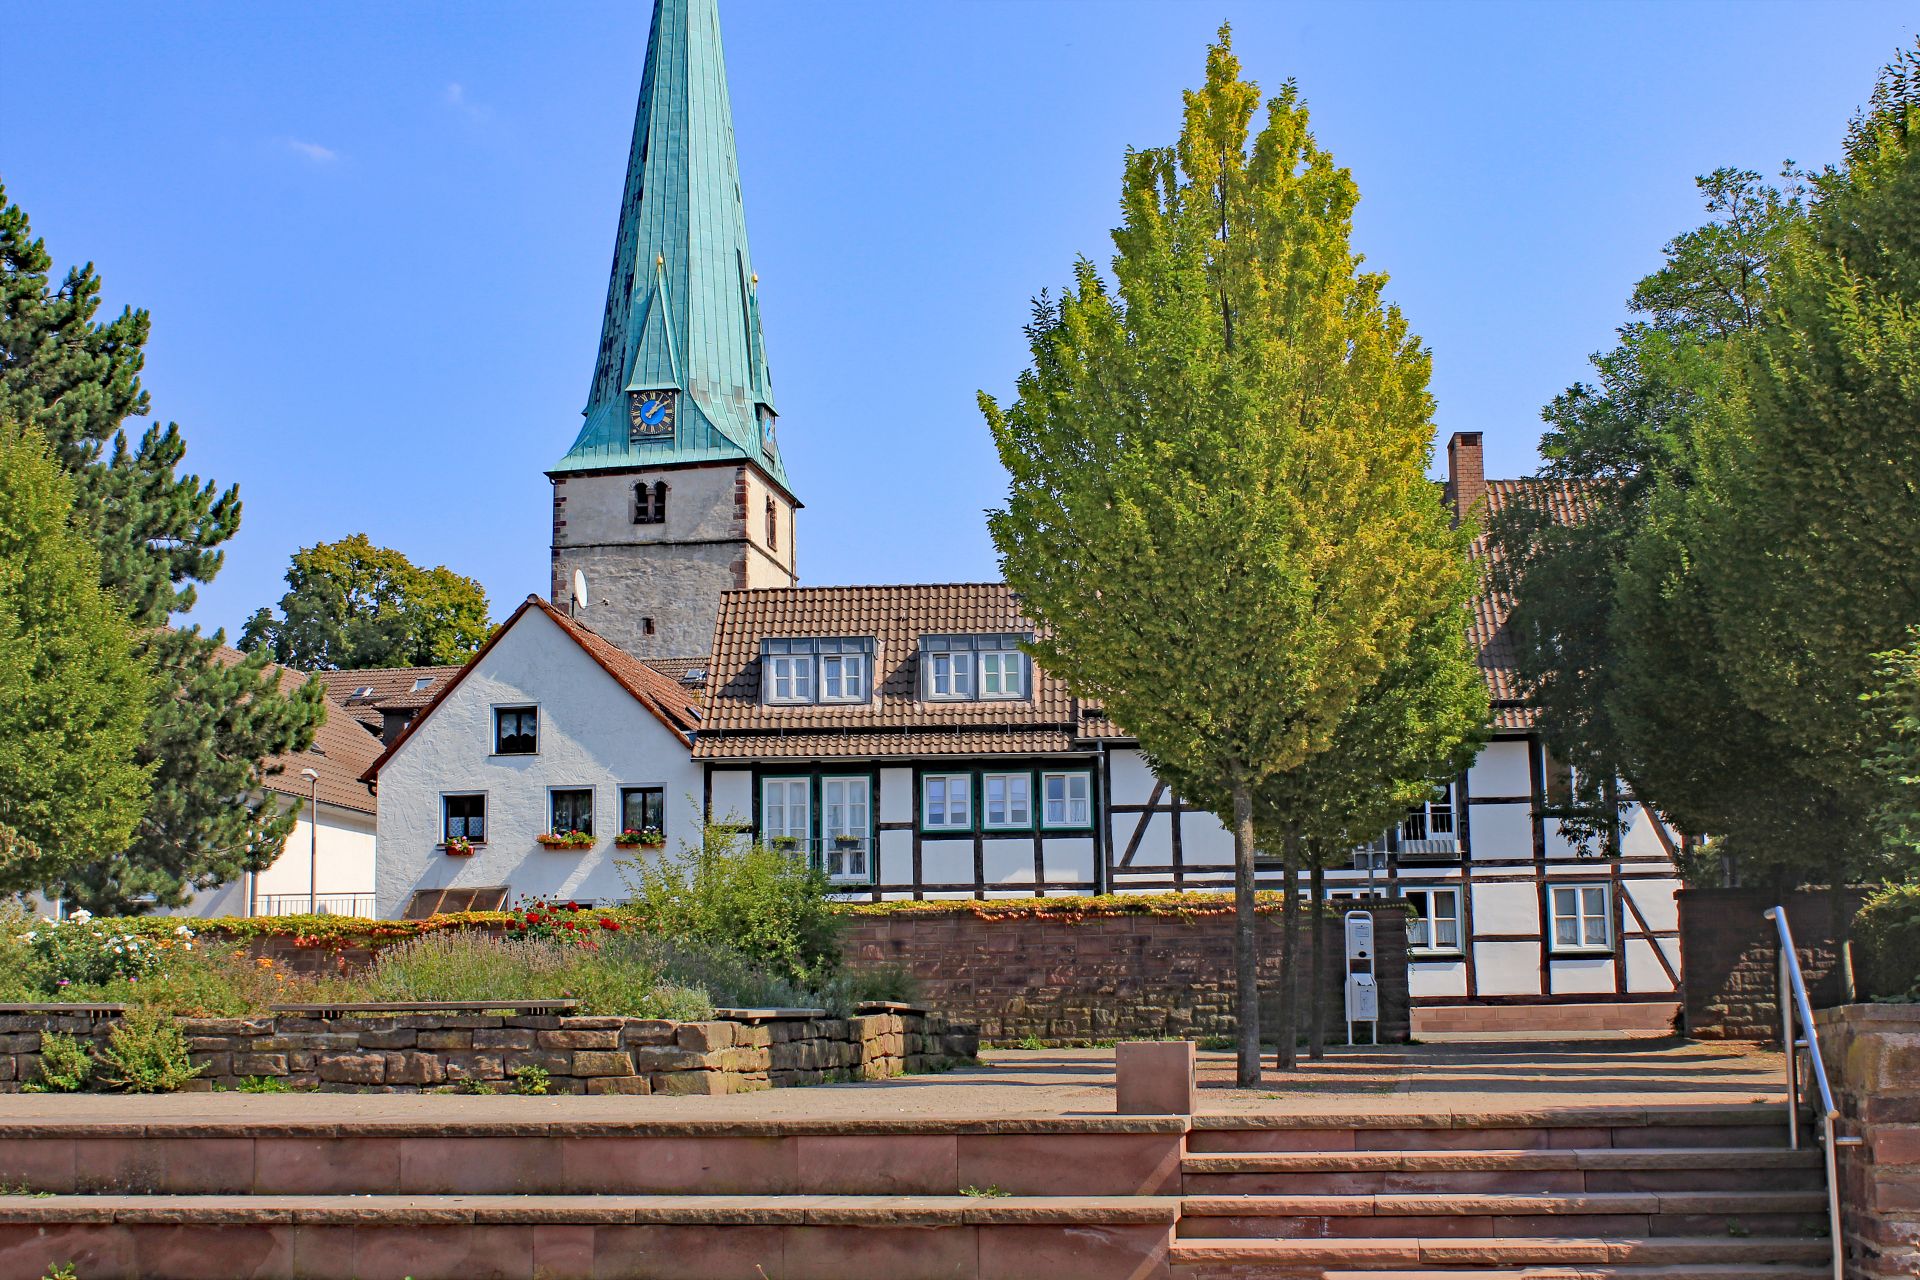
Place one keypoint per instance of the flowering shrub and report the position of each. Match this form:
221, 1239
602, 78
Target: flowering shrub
81, 949
566, 839
641, 838
566, 922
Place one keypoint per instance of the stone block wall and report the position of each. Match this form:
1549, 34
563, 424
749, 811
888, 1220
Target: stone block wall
1118, 977
1872, 1053
412, 1053
1732, 974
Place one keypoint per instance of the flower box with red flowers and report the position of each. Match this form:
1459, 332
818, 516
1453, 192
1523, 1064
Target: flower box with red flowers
566, 839
459, 847
641, 838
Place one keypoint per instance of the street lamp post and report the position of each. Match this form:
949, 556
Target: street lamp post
313, 841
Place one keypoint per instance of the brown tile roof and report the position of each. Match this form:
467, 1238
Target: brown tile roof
850, 744
1489, 633
896, 722
387, 687
674, 705
677, 670
341, 750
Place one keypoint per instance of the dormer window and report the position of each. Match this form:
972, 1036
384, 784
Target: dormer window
973, 668
810, 670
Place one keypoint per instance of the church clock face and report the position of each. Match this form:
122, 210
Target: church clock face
651, 413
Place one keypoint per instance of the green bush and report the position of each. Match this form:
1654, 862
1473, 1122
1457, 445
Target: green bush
81, 950
146, 1053
1886, 943
767, 905
623, 975
532, 1081
214, 980
65, 1063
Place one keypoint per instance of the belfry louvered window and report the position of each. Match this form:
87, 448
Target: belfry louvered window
650, 502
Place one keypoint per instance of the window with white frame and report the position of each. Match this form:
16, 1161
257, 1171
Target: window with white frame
1430, 827
786, 812
811, 669
843, 677
790, 677
946, 802
1580, 917
1435, 924
845, 804
1066, 799
949, 675
973, 668
1003, 673
1006, 800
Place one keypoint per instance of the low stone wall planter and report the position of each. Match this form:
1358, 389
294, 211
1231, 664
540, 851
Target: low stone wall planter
420, 1052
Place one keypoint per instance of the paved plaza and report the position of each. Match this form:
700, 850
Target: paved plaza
1476, 1078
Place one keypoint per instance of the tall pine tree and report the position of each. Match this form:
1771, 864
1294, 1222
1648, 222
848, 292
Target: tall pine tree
75, 380
1218, 509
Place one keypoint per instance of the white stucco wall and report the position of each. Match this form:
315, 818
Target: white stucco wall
344, 856
593, 733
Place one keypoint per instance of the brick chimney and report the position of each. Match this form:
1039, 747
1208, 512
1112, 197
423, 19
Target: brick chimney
1466, 473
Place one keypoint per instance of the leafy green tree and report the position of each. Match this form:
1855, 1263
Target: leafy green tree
1218, 510
1418, 727
72, 688
209, 727
1613, 651
1803, 520
210, 748
350, 604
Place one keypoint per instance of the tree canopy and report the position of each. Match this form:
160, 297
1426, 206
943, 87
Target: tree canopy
209, 728
350, 604
73, 690
1217, 508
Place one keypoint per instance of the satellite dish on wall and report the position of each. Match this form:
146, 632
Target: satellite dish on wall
579, 592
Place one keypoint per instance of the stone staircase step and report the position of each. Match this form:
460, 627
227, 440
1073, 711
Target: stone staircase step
1736, 1271
1758, 1125
1557, 1170
514, 1237
1674, 1213
1515, 1256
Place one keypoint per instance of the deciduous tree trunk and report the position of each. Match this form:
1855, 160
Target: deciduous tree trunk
1246, 951
1316, 921
1286, 1035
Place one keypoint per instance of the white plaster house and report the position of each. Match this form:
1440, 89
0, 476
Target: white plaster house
549, 728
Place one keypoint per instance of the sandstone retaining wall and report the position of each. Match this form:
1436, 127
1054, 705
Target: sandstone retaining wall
1873, 1055
1732, 975
1145, 976
412, 1053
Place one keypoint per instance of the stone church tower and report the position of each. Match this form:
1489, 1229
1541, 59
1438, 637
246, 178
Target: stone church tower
674, 490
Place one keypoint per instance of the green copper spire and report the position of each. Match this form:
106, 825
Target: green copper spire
683, 313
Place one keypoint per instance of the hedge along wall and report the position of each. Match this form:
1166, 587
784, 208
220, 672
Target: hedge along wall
412, 1053
1113, 968
1732, 954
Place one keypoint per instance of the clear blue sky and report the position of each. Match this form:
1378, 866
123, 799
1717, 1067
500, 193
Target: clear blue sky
375, 237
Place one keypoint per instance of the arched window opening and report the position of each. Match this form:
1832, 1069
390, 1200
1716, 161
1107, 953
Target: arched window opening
650, 502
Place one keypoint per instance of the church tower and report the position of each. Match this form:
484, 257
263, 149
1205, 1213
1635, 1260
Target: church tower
674, 490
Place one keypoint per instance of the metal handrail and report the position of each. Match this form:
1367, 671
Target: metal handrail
1793, 1001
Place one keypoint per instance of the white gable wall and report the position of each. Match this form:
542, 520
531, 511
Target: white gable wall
593, 733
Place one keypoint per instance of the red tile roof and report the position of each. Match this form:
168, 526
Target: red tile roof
341, 750
1492, 639
674, 705
896, 722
